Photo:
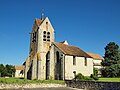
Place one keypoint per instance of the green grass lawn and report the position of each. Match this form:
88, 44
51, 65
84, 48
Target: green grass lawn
22, 81
109, 79
17, 80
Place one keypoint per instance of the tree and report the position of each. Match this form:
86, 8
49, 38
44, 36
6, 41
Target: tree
119, 54
111, 54
10, 70
2, 70
112, 60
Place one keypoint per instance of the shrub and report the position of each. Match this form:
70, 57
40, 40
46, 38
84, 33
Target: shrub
79, 76
94, 77
87, 78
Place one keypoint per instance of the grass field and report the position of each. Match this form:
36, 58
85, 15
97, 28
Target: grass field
17, 80
109, 79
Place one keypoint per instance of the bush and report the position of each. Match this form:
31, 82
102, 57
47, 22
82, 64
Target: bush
94, 77
79, 76
87, 78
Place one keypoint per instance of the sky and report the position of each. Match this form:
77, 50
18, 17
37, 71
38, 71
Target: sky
87, 24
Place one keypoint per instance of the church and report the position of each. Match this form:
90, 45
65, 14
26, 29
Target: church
48, 59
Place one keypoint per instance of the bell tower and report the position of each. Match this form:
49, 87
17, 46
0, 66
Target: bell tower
41, 38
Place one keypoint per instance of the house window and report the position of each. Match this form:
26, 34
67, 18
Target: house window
48, 36
74, 60
85, 61
44, 36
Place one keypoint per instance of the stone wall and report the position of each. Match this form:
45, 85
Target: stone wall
93, 85
38, 85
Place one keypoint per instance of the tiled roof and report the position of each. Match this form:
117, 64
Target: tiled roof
95, 56
19, 67
38, 21
71, 50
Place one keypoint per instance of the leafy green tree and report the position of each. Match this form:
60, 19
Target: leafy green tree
112, 60
10, 70
2, 70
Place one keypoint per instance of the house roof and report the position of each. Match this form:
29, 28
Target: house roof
95, 56
71, 50
38, 21
19, 67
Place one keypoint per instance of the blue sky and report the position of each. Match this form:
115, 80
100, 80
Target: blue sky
88, 24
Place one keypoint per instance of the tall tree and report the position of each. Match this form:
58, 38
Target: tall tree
111, 54
111, 60
119, 54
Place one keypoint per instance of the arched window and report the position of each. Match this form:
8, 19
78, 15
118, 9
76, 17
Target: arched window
48, 36
44, 32
44, 36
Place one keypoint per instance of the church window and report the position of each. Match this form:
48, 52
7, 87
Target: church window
85, 61
47, 26
48, 36
44, 36
74, 60
44, 39
44, 32
48, 33
34, 37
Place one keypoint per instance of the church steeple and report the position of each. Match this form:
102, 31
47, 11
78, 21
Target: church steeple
42, 18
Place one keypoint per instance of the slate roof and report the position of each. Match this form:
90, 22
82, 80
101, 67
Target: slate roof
19, 67
71, 50
95, 56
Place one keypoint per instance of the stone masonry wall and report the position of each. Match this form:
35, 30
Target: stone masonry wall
93, 85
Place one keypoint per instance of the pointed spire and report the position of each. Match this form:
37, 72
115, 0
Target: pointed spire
42, 18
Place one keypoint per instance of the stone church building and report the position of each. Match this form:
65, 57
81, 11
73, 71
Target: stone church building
48, 59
